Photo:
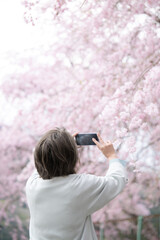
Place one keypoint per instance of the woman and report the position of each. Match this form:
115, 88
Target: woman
60, 200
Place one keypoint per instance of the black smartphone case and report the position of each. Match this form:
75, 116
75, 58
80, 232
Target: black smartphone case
86, 139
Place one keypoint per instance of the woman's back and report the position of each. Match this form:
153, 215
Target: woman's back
61, 207
55, 207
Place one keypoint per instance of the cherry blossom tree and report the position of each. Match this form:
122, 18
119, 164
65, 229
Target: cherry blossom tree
98, 71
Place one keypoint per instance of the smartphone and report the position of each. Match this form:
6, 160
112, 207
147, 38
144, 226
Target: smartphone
86, 139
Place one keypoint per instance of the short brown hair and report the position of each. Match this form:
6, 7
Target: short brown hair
56, 154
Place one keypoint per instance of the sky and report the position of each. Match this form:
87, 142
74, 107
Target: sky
14, 32
15, 36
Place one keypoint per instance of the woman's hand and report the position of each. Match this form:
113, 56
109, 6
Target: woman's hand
74, 134
105, 147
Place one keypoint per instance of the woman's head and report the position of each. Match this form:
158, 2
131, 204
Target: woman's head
56, 154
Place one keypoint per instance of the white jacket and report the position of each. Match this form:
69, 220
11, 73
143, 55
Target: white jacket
61, 208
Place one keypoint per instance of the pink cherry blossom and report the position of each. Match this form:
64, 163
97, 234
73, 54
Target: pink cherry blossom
152, 110
135, 123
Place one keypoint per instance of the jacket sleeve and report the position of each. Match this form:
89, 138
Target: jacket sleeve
31, 179
98, 191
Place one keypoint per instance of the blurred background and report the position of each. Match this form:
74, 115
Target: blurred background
90, 67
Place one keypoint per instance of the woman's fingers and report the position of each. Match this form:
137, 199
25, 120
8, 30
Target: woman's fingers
96, 142
74, 134
102, 141
100, 138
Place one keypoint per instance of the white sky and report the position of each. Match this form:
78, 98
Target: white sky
14, 32
15, 35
